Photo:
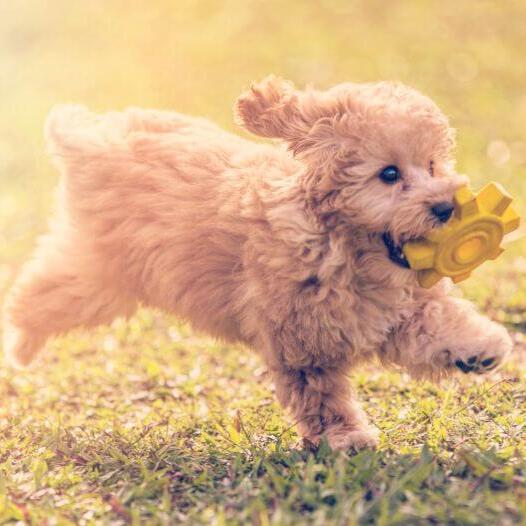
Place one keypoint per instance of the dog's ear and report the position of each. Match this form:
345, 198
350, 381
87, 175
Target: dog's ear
271, 108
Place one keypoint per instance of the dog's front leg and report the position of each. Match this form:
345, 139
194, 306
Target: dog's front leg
447, 334
323, 406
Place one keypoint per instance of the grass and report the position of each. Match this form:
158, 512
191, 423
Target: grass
145, 422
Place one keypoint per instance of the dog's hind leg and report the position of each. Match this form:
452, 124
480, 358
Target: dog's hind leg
56, 292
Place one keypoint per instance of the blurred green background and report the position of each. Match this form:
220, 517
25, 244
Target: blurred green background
196, 56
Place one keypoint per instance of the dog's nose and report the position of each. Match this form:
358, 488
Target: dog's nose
443, 210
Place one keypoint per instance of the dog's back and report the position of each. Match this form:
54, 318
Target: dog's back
148, 211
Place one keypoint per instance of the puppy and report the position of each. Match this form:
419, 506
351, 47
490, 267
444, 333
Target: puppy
292, 249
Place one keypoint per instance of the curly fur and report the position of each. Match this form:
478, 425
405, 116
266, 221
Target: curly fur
280, 250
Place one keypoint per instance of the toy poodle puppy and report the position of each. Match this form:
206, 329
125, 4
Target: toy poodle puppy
292, 249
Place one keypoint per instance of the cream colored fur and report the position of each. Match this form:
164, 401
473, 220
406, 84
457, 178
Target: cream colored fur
277, 248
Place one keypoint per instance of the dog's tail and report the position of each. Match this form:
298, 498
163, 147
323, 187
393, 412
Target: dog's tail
73, 132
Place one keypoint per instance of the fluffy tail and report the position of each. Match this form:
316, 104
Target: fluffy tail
73, 132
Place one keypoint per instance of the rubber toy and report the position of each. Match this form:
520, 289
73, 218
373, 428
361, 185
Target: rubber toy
472, 236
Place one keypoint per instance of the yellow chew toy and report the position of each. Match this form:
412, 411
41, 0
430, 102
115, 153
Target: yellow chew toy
470, 237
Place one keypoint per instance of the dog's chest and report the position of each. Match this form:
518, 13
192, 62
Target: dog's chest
377, 312
337, 301
340, 319
360, 302
366, 315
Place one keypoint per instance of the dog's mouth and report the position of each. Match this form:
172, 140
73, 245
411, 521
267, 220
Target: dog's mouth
395, 252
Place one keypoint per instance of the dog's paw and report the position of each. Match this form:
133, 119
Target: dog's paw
19, 347
342, 438
484, 354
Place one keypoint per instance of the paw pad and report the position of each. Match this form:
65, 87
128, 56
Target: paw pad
474, 364
488, 362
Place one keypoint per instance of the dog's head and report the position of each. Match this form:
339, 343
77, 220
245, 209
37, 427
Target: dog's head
376, 156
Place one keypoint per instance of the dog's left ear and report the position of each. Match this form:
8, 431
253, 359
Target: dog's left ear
273, 108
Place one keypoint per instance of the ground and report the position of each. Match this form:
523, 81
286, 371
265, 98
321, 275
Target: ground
147, 422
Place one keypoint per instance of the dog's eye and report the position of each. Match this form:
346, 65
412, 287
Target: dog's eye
432, 167
390, 174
